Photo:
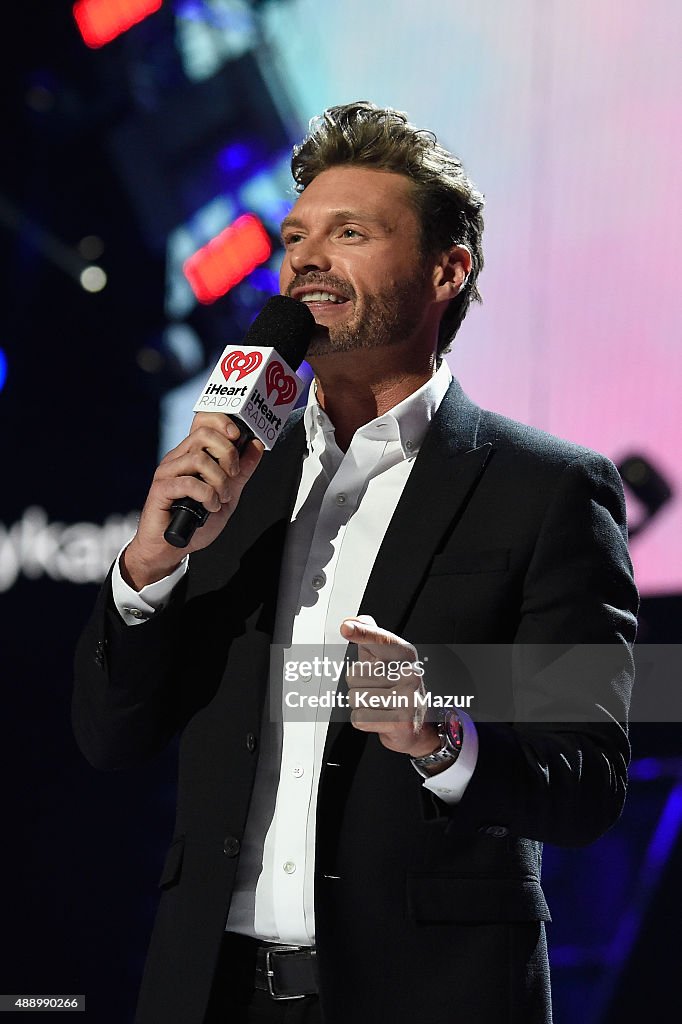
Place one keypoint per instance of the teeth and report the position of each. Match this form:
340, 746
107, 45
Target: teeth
321, 297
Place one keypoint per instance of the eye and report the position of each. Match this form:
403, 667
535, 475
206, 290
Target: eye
292, 238
350, 233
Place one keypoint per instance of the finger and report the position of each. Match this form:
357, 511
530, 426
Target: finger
380, 701
376, 719
365, 619
214, 425
374, 641
165, 492
209, 440
392, 672
216, 421
199, 464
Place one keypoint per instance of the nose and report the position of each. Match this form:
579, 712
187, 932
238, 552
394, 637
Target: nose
309, 254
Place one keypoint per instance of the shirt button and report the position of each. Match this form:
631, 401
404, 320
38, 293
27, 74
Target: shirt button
289, 867
298, 772
409, 445
318, 581
340, 499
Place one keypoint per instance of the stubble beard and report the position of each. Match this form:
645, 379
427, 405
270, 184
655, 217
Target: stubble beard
381, 320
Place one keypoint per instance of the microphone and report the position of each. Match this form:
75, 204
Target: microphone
256, 384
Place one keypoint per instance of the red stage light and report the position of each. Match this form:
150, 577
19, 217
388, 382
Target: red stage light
100, 21
228, 258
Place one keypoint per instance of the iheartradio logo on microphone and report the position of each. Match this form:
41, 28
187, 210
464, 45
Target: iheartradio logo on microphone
240, 363
257, 386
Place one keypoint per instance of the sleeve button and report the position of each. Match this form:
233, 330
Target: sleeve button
231, 846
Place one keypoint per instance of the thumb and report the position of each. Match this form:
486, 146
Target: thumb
357, 623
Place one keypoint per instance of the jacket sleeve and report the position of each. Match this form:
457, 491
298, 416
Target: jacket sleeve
128, 699
558, 774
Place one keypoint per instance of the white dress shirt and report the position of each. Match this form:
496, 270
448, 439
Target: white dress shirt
344, 504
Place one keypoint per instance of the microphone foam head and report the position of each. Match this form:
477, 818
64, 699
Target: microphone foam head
285, 325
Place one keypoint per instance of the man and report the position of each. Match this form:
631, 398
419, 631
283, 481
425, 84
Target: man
394, 514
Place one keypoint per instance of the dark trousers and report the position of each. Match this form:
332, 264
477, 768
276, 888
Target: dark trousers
234, 1000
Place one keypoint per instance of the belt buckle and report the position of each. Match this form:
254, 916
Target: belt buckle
269, 973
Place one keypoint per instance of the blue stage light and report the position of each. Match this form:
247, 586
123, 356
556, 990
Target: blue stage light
3, 369
218, 16
235, 157
265, 280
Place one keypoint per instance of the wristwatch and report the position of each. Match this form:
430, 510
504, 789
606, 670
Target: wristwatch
450, 734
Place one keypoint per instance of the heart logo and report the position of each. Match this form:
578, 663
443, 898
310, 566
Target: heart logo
240, 363
277, 380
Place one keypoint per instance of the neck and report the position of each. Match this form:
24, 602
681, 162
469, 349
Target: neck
355, 391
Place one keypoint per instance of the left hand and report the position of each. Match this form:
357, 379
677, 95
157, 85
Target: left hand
386, 669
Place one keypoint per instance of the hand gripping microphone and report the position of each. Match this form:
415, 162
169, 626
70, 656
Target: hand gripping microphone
256, 385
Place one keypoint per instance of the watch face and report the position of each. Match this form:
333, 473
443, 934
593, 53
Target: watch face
453, 731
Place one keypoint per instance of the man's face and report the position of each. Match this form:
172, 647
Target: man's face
353, 248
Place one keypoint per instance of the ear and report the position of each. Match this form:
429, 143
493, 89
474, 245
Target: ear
451, 272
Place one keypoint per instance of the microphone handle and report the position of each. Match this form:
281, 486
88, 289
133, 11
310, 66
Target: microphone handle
188, 513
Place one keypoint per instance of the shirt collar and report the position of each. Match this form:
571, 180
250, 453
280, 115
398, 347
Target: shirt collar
407, 422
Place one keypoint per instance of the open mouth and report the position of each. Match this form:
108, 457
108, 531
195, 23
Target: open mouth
319, 295
325, 306
322, 297
327, 303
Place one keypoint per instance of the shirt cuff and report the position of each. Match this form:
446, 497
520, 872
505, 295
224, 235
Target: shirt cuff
449, 785
136, 607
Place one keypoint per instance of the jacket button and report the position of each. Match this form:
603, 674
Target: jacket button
499, 831
251, 742
231, 846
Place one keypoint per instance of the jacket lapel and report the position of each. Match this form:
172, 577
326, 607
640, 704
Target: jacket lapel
272, 491
447, 469
446, 472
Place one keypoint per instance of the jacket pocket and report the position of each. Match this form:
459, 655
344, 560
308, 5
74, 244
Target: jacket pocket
173, 864
435, 899
453, 562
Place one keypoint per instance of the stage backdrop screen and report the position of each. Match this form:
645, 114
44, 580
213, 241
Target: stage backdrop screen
567, 117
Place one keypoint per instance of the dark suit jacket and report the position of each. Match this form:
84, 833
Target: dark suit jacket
424, 912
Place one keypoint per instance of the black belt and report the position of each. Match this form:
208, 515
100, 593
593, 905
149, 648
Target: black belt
286, 972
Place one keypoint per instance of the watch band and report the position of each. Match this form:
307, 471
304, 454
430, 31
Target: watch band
451, 735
